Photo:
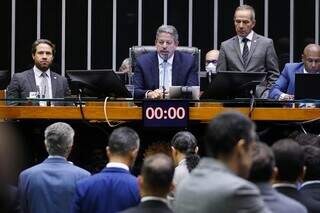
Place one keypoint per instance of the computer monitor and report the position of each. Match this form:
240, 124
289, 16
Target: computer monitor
306, 86
232, 84
4, 79
97, 83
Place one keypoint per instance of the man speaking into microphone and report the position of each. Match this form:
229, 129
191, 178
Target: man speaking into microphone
156, 71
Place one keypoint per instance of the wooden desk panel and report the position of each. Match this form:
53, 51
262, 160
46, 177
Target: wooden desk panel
127, 113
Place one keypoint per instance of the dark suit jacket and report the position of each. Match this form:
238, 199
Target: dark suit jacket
49, 186
286, 81
146, 72
262, 58
111, 190
278, 202
310, 194
290, 192
23, 83
150, 206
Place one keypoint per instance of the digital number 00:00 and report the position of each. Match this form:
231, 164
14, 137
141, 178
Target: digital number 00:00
159, 113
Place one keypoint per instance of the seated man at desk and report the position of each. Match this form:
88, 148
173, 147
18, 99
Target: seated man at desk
39, 81
285, 85
155, 72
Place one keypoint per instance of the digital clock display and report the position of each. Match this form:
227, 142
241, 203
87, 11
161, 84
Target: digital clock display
165, 113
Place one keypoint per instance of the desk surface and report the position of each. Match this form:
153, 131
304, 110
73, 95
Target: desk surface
125, 112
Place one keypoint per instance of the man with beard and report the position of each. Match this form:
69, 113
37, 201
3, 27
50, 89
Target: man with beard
40, 81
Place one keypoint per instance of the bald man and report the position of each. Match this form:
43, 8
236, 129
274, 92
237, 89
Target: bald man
284, 86
211, 60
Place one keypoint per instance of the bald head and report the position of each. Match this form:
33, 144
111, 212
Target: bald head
311, 58
212, 55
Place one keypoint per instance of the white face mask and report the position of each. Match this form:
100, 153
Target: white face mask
211, 67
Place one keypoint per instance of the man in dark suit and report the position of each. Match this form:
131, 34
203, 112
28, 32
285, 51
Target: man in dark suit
310, 189
155, 183
217, 184
248, 51
113, 189
261, 173
39, 81
155, 72
289, 161
285, 85
50, 185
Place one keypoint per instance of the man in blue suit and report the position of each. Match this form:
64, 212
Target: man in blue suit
285, 85
155, 72
50, 185
114, 188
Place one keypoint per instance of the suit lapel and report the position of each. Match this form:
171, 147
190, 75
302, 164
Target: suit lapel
53, 83
32, 80
252, 47
155, 71
236, 46
175, 68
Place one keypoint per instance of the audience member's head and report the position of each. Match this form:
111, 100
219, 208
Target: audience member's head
58, 138
263, 164
230, 137
184, 146
43, 51
126, 66
312, 163
311, 58
167, 40
156, 176
123, 146
289, 160
244, 20
211, 60
307, 139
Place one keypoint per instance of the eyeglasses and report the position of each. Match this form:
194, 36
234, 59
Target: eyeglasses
211, 61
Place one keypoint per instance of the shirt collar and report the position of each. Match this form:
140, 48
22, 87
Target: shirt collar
249, 37
117, 165
56, 156
276, 185
310, 182
38, 72
169, 61
147, 198
183, 161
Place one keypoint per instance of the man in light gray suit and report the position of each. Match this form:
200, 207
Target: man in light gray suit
261, 173
249, 52
217, 184
39, 80
50, 186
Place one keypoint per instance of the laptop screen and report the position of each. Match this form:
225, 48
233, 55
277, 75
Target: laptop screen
307, 86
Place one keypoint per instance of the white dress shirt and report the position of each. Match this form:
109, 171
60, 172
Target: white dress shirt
249, 37
37, 75
168, 73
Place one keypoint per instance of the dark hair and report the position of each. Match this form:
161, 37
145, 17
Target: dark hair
312, 162
123, 140
42, 41
157, 172
263, 163
186, 143
225, 130
306, 139
289, 159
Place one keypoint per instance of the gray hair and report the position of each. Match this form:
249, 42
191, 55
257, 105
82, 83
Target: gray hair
247, 7
59, 138
168, 29
123, 140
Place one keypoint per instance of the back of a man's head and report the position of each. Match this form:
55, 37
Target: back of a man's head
157, 174
263, 163
312, 163
122, 141
59, 139
289, 160
225, 131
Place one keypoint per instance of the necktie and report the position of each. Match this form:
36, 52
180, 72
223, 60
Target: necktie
165, 81
44, 85
245, 51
